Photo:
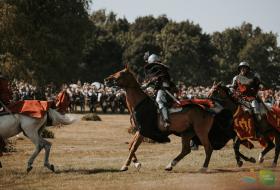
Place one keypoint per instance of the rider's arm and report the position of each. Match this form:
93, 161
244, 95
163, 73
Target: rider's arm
233, 85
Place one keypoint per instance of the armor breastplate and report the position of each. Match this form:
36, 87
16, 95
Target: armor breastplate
243, 80
246, 85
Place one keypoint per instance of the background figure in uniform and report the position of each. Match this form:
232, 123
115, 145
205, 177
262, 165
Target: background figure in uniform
6, 94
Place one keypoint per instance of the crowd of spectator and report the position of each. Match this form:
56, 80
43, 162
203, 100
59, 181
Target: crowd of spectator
268, 96
83, 92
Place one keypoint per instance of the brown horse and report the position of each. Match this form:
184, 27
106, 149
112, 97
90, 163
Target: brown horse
2, 146
188, 123
224, 96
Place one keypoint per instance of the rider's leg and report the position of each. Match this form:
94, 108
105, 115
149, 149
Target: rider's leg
256, 109
257, 116
162, 104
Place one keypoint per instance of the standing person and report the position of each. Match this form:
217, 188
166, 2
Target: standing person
157, 74
6, 94
62, 101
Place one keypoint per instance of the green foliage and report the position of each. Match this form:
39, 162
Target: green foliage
187, 51
45, 38
45, 41
245, 43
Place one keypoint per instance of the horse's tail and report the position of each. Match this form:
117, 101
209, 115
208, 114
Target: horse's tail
58, 118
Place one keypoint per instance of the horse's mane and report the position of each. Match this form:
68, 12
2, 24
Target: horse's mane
134, 76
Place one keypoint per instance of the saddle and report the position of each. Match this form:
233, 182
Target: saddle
32, 108
205, 104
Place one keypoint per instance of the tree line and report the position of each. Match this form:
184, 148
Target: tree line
44, 41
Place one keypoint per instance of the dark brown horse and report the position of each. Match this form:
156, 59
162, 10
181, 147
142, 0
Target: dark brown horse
2, 146
188, 123
225, 97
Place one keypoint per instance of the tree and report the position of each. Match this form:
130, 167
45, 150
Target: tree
188, 52
50, 35
148, 24
246, 43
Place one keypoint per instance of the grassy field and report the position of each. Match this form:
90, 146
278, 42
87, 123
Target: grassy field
89, 154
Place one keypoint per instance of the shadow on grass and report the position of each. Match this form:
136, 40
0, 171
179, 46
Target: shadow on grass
87, 171
233, 170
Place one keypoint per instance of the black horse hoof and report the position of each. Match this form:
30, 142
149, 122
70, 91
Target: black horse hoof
168, 169
29, 169
51, 167
252, 160
239, 163
0, 165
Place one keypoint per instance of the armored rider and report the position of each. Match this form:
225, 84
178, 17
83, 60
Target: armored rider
246, 86
157, 74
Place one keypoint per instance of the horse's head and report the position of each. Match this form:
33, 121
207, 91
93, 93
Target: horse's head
219, 92
123, 79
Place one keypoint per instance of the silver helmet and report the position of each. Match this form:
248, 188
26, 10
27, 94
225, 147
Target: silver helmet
243, 64
153, 59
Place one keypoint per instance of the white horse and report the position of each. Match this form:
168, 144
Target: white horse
13, 124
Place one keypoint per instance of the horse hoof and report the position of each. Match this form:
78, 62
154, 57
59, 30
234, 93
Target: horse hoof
203, 170
261, 160
52, 168
168, 168
252, 160
124, 168
29, 169
0, 165
239, 163
137, 166
273, 165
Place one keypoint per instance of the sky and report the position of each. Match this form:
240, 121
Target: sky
211, 15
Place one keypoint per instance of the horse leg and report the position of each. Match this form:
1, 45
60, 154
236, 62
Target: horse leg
38, 148
47, 146
270, 145
186, 149
236, 146
2, 146
137, 140
135, 162
1, 154
203, 137
277, 149
238, 154
134, 158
